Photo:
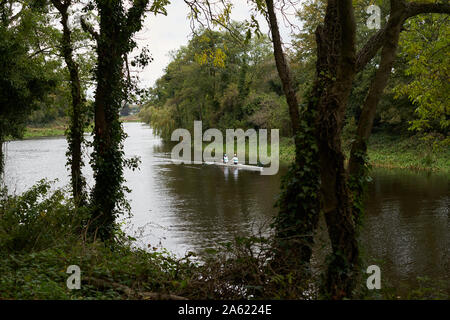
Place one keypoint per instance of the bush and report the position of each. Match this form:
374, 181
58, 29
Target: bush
37, 219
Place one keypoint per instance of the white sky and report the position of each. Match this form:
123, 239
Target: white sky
163, 34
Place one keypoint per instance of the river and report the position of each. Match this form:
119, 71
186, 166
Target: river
190, 207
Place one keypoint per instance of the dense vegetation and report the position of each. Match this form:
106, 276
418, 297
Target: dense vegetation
326, 93
221, 81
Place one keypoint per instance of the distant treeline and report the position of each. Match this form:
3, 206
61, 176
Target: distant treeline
228, 83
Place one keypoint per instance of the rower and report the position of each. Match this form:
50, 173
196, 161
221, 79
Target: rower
225, 158
235, 159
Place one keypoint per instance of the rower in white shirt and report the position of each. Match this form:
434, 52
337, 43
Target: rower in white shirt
235, 159
225, 158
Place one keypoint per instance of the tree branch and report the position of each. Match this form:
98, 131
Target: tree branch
409, 10
134, 17
415, 8
89, 29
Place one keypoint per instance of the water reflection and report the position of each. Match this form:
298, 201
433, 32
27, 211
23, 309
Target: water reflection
407, 224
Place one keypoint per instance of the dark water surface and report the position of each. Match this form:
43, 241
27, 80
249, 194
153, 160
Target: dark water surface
187, 208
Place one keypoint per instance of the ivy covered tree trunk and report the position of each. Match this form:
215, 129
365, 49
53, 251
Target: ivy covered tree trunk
2, 160
75, 134
107, 160
336, 68
113, 42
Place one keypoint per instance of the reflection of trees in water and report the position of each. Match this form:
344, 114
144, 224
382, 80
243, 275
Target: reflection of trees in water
407, 223
214, 204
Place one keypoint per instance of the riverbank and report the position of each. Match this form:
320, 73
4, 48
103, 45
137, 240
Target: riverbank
58, 129
388, 151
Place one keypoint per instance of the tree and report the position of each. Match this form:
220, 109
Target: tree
24, 74
75, 135
424, 45
219, 80
400, 11
336, 67
113, 42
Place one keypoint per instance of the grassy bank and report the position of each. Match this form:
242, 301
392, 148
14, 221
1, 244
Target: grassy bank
390, 152
36, 132
406, 153
130, 118
58, 128
42, 234
55, 129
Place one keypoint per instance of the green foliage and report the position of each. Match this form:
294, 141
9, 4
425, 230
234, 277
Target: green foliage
42, 233
389, 151
425, 47
37, 219
23, 81
221, 81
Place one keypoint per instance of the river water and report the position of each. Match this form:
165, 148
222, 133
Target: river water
190, 207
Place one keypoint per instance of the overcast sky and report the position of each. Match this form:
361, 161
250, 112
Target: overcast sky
163, 34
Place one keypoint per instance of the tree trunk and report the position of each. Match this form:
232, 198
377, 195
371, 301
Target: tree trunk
336, 68
108, 161
76, 129
117, 27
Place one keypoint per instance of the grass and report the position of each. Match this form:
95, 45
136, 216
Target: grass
42, 234
406, 153
389, 151
34, 132
55, 129
58, 128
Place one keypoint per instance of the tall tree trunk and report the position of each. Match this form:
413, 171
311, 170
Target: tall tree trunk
336, 68
283, 69
107, 156
76, 129
114, 41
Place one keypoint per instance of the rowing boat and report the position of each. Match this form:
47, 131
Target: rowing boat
239, 166
220, 164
